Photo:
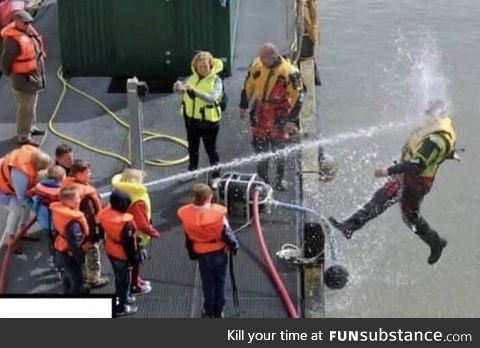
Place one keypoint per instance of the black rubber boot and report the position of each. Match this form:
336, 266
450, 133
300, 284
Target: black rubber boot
436, 244
341, 226
436, 250
380, 202
356, 221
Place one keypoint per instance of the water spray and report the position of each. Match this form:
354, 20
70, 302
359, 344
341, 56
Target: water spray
336, 276
333, 140
327, 168
235, 190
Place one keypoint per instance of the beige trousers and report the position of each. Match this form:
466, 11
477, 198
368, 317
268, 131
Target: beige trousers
26, 105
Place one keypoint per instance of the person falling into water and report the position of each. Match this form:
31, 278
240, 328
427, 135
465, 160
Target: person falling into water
411, 179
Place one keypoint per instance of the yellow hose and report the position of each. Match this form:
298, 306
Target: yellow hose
149, 135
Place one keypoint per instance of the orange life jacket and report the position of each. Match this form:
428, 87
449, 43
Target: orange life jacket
27, 60
61, 217
47, 195
85, 190
269, 117
20, 159
204, 227
113, 222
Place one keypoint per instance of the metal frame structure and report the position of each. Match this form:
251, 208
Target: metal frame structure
251, 183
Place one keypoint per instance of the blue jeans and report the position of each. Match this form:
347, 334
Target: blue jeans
123, 279
73, 277
213, 270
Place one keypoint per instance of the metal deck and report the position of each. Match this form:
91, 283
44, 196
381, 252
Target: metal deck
175, 279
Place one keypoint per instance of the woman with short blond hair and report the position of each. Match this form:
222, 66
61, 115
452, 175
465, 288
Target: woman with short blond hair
201, 96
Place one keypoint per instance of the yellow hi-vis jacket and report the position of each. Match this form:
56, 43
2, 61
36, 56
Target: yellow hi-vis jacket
136, 192
442, 134
197, 108
261, 80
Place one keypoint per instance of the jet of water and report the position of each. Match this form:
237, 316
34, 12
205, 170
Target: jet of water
333, 140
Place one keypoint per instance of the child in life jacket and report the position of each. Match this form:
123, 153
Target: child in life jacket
44, 193
130, 181
71, 238
120, 247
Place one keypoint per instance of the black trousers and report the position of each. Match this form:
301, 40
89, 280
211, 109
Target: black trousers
410, 199
261, 145
213, 271
72, 277
208, 135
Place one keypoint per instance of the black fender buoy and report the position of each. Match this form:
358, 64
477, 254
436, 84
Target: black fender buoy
336, 277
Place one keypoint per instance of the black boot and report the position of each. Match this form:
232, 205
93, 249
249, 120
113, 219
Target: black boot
380, 202
341, 226
358, 219
436, 244
436, 250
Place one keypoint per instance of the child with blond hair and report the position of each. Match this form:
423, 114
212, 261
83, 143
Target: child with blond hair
44, 193
130, 181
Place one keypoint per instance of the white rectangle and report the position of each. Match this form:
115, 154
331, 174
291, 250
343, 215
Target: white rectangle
55, 308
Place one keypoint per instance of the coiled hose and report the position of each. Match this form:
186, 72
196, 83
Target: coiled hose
149, 135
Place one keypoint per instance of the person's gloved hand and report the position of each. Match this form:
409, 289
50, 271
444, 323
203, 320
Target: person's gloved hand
191, 92
234, 251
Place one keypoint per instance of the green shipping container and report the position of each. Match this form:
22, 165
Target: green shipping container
148, 38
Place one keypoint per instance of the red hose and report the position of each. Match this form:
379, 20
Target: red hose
292, 311
9, 252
